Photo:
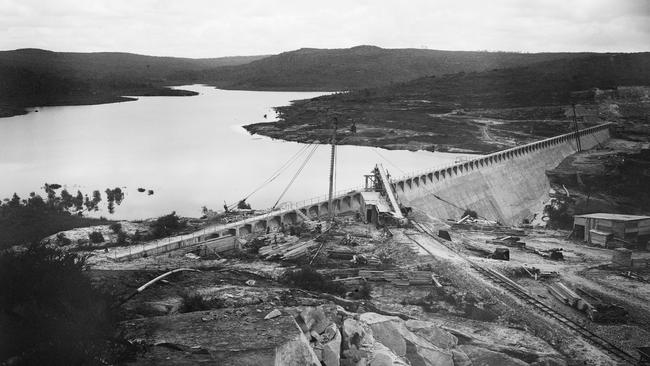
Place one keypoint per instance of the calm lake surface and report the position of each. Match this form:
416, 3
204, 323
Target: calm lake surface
192, 151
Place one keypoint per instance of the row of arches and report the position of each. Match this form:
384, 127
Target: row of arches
465, 167
347, 203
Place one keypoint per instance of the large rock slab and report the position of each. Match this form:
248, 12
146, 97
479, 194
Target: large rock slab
296, 352
356, 334
393, 333
223, 337
460, 358
315, 319
332, 349
484, 357
383, 356
432, 333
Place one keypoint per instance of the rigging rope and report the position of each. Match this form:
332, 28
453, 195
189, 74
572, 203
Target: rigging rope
389, 162
277, 172
311, 153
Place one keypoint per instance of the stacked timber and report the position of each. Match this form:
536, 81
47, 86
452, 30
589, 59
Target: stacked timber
420, 278
569, 297
509, 241
468, 223
399, 278
341, 253
287, 251
602, 312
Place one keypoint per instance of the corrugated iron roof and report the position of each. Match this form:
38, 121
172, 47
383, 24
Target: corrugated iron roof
614, 217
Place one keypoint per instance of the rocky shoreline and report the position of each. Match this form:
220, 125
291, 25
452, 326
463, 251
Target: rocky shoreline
415, 126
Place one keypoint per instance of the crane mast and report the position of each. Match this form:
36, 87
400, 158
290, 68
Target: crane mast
332, 160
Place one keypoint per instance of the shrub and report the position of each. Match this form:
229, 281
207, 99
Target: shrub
470, 213
363, 292
193, 301
137, 236
309, 279
59, 318
96, 237
558, 215
121, 238
115, 227
62, 240
166, 225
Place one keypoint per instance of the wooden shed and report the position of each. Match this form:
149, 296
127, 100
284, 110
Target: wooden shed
603, 228
373, 207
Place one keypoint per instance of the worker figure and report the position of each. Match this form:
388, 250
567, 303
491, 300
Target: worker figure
225, 207
353, 128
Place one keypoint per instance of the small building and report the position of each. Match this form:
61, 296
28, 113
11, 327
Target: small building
374, 208
604, 228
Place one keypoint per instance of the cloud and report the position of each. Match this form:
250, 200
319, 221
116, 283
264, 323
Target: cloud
203, 28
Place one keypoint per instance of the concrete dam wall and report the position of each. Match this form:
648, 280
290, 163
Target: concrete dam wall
507, 186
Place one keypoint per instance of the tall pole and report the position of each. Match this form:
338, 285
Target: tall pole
332, 157
575, 125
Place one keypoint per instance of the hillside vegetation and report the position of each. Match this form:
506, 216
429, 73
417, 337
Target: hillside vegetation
362, 67
33, 77
472, 111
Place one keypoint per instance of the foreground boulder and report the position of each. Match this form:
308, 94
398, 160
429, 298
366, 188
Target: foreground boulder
481, 356
393, 333
296, 352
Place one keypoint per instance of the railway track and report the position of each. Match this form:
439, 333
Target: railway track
519, 292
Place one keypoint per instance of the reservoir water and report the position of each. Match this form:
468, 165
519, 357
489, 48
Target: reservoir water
191, 151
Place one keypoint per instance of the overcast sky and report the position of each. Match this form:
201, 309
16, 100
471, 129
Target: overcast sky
212, 28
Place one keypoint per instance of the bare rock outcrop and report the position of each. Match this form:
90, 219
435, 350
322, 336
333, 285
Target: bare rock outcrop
296, 352
481, 356
393, 333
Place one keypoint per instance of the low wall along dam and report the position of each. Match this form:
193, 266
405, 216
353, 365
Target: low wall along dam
507, 186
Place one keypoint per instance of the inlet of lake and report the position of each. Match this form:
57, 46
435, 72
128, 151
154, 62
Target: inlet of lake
191, 151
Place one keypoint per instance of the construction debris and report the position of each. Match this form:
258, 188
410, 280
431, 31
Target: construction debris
400, 278
472, 224
501, 254
603, 312
273, 314
341, 253
553, 254
538, 274
290, 250
444, 234
596, 309
362, 260
634, 276
510, 241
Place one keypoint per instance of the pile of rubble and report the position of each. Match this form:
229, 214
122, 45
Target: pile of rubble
475, 224
331, 336
596, 309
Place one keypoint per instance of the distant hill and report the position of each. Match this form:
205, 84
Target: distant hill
539, 84
34, 77
363, 67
